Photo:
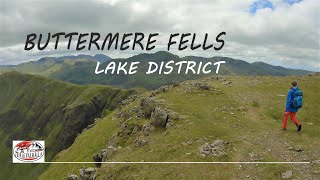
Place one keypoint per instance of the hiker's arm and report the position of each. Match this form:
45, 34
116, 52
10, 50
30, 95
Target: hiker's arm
288, 103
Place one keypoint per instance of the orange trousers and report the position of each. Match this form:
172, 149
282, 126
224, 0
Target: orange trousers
292, 117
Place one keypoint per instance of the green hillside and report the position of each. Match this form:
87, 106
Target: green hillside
80, 69
33, 107
47, 65
84, 73
241, 115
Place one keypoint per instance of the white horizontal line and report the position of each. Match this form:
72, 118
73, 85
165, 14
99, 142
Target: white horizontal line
141, 162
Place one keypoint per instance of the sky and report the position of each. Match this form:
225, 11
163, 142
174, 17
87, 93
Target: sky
278, 32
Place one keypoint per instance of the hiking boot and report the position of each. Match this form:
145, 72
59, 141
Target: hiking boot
299, 127
283, 129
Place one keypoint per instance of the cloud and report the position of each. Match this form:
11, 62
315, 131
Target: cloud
260, 4
286, 34
291, 2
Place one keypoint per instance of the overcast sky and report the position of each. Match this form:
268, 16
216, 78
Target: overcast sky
279, 32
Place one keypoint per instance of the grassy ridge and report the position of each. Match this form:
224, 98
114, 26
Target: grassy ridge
253, 134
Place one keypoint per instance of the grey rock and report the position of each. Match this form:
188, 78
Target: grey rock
72, 177
88, 174
287, 175
147, 128
298, 148
316, 161
103, 155
217, 143
202, 86
228, 83
241, 108
164, 88
90, 125
187, 89
159, 117
140, 142
175, 84
147, 105
184, 143
216, 149
136, 129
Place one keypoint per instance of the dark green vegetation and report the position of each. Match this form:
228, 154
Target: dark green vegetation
33, 107
246, 112
81, 70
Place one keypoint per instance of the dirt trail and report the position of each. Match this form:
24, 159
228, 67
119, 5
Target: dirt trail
281, 146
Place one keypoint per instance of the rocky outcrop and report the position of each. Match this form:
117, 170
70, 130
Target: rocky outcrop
85, 174
140, 142
88, 174
216, 148
147, 128
315, 74
228, 83
202, 86
72, 177
159, 117
147, 105
103, 155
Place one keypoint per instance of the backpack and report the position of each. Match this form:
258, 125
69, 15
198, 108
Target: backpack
297, 101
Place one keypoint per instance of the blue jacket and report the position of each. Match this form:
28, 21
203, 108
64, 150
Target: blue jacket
290, 98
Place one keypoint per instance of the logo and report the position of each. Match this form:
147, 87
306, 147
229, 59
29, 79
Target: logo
28, 151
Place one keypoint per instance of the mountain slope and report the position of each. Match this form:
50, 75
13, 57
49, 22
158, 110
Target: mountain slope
33, 107
277, 70
80, 69
244, 112
140, 79
48, 65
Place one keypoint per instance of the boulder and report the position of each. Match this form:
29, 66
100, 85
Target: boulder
159, 117
72, 177
164, 88
126, 129
287, 175
103, 155
147, 106
88, 174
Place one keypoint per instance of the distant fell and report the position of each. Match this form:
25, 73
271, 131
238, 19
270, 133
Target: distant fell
80, 69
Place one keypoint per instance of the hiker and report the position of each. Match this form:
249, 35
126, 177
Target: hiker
294, 102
